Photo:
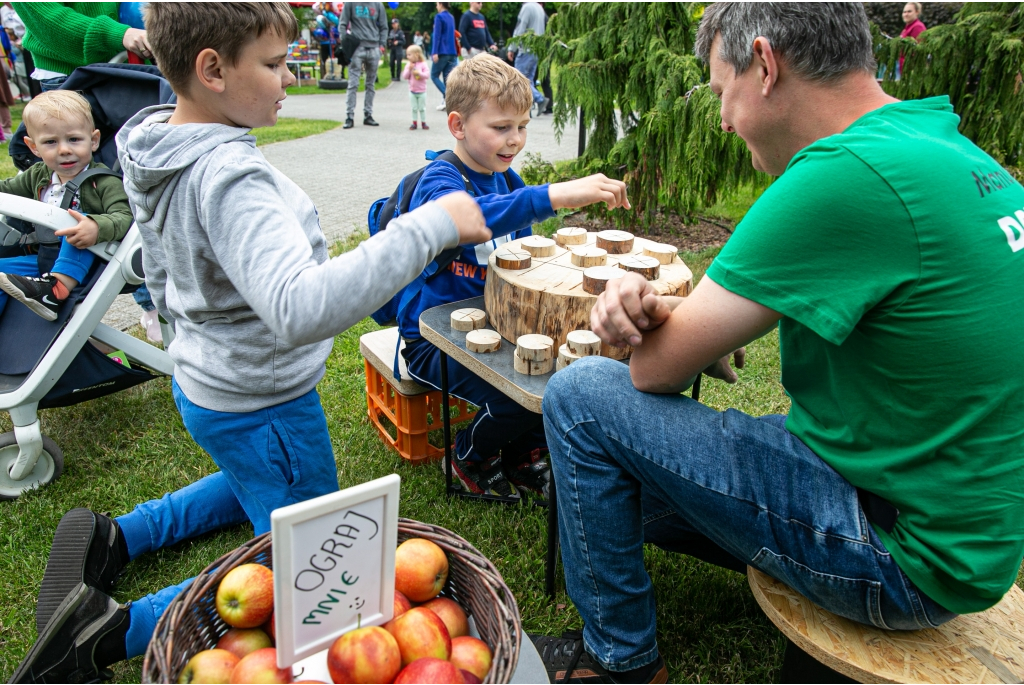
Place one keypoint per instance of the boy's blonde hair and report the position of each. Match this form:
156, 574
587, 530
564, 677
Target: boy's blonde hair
483, 78
179, 31
64, 105
414, 53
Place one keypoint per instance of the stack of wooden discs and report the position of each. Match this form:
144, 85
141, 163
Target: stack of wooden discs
534, 355
577, 344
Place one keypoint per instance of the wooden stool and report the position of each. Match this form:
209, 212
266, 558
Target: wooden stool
986, 647
403, 408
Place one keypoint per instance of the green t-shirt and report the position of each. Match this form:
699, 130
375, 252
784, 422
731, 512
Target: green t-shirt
895, 253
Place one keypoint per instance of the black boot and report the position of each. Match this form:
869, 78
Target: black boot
87, 548
86, 634
368, 121
349, 123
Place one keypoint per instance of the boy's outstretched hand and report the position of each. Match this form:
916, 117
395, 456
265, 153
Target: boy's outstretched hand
468, 218
84, 234
588, 191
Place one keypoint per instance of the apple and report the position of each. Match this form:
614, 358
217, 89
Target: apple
242, 641
471, 654
245, 597
420, 569
269, 628
420, 633
402, 604
429, 670
468, 677
209, 666
260, 667
364, 655
451, 613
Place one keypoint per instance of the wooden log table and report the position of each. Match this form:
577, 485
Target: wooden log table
498, 369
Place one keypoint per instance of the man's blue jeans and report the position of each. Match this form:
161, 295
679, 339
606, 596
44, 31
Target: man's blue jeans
633, 467
268, 459
526, 64
440, 69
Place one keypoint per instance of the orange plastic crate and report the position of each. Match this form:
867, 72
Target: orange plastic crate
403, 421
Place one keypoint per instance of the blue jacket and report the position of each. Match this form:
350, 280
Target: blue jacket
443, 40
509, 213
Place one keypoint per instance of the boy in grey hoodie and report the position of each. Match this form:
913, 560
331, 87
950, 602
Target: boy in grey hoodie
235, 258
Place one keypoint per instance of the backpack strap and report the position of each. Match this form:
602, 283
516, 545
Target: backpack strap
72, 187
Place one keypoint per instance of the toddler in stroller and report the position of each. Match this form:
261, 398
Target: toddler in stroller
61, 132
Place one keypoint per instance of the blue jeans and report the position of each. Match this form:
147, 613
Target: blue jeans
501, 423
526, 64
440, 69
632, 467
71, 261
268, 459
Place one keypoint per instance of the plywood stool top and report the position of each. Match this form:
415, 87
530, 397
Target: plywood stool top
378, 348
987, 647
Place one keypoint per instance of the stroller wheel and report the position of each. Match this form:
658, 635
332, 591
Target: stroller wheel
48, 468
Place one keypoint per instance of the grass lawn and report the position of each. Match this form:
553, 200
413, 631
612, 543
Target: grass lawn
383, 81
131, 446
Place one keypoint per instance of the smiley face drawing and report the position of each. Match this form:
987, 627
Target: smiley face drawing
357, 604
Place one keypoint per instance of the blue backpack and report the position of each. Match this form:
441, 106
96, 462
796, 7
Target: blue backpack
387, 208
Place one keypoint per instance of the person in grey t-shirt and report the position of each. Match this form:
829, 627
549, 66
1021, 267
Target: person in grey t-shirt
531, 18
367, 22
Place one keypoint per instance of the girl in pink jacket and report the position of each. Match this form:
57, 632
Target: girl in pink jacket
417, 73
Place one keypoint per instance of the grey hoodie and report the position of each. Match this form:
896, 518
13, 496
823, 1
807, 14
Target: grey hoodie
234, 255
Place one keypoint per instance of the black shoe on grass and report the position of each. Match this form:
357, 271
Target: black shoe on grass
566, 661
529, 471
34, 293
87, 548
483, 478
349, 123
85, 635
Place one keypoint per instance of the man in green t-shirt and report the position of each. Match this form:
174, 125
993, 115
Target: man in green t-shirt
890, 254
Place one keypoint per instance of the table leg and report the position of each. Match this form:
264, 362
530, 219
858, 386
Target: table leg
446, 420
552, 553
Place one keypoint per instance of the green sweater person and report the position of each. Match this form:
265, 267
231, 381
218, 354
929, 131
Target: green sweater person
63, 36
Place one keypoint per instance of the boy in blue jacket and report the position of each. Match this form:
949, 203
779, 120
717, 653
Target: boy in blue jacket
488, 109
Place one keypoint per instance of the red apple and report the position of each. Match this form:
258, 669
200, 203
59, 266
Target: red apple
471, 654
468, 677
451, 613
420, 569
402, 604
269, 628
245, 597
420, 633
364, 655
209, 666
242, 641
429, 670
261, 667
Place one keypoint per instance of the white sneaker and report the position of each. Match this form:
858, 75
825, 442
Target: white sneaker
151, 322
441, 107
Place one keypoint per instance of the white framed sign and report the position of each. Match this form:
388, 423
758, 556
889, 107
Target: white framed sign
334, 566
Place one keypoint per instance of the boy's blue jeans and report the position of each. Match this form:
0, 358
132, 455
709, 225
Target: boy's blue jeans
268, 459
71, 261
633, 467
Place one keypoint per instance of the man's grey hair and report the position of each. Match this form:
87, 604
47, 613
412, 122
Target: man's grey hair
820, 41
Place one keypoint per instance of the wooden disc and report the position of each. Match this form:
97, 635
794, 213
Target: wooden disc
596, 278
483, 340
535, 348
589, 256
566, 357
648, 267
571, 236
512, 259
983, 647
615, 242
468, 319
665, 254
583, 343
531, 368
538, 246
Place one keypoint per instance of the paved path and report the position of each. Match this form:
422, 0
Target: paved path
344, 171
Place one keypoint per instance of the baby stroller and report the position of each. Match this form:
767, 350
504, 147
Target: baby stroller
47, 364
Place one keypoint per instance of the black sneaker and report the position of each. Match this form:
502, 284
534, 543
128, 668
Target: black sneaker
85, 635
566, 661
349, 123
368, 121
34, 293
483, 478
87, 548
529, 470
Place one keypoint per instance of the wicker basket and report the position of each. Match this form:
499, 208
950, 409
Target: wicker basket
191, 623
